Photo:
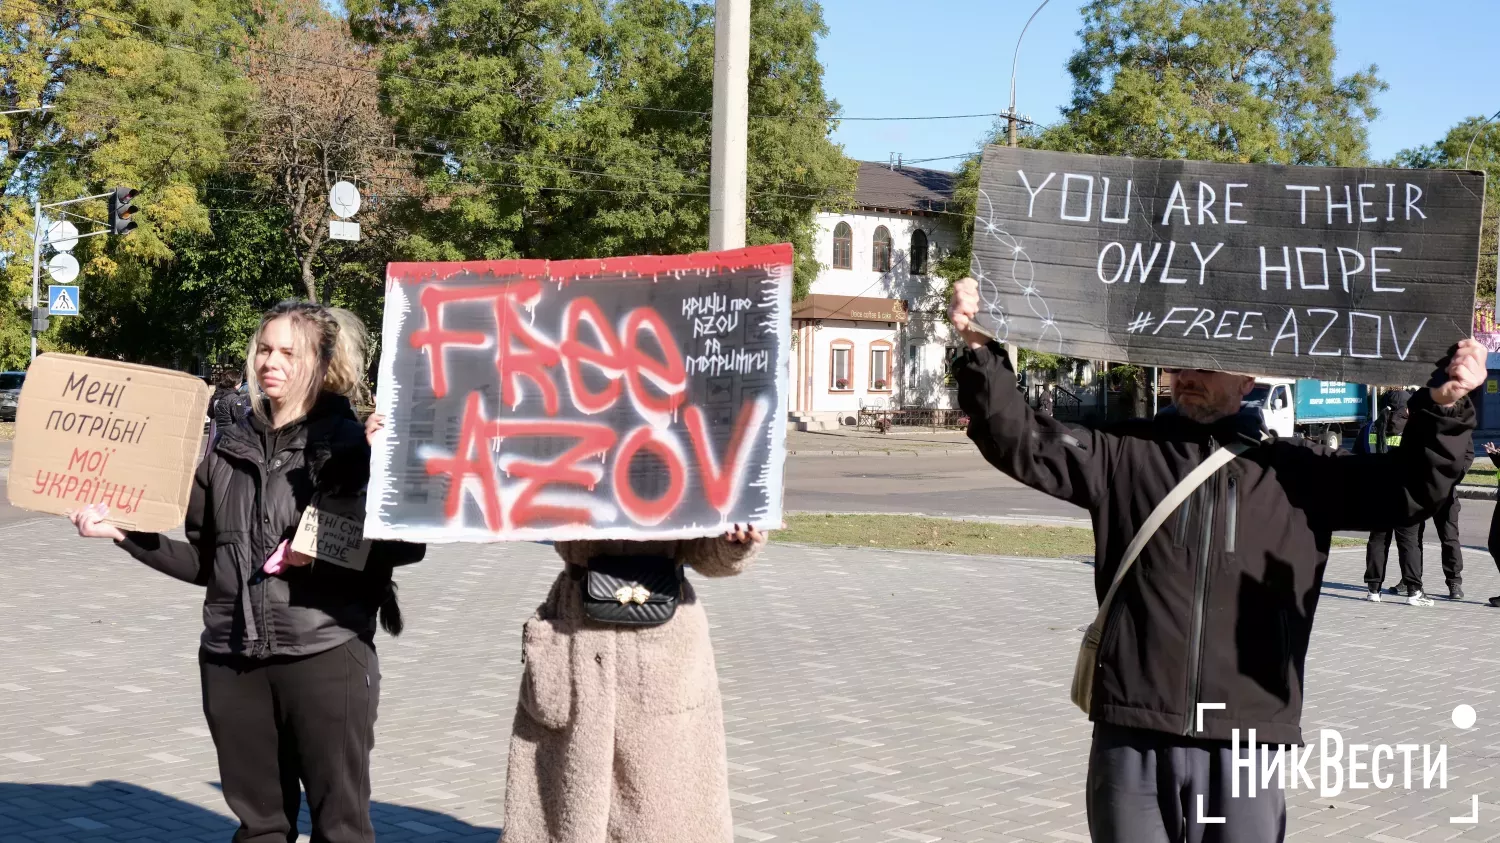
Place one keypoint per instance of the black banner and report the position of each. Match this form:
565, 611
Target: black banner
1344, 274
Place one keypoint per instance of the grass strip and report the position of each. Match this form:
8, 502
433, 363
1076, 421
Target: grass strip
946, 535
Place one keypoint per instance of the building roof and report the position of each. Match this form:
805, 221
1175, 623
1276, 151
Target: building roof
903, 189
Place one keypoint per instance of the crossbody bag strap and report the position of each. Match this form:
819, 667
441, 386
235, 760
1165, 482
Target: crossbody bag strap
1189, 484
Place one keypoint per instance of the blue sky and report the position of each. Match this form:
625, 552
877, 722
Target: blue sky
888, 58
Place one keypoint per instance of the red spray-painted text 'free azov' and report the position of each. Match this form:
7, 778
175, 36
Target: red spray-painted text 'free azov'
655, 384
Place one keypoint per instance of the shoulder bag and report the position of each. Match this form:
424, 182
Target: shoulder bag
1088, 653
631, 590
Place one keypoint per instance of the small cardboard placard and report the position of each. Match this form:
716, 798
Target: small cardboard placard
103, 432
334, 531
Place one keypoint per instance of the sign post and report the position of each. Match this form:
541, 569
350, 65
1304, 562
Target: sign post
1343, 274
629, 398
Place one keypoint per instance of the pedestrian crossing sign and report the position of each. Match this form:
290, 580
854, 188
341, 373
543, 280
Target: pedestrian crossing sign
62, 300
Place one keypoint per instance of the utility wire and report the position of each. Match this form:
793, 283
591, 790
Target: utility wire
441, 84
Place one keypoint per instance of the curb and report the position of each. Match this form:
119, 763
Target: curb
1480, 493
927, 452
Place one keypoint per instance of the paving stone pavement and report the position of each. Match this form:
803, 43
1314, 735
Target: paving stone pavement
869, 696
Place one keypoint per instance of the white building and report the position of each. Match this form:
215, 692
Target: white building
873, 331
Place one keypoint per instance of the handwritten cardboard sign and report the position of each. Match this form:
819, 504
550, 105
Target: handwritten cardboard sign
1344, 274
627, 398
334, 531
102, 432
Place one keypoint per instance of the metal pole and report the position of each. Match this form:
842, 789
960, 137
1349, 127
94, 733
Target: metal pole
36, 267
1014, 60
1155, 391
1010, 115
727, 175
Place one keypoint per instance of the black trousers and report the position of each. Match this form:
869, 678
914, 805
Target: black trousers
1446, 522
1146, 787
1408, 554
1493, 541
282, 724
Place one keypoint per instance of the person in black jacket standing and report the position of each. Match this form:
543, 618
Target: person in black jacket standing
287, 660
1219, 606
1385, 435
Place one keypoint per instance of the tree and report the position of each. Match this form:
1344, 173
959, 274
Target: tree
316, 120
1239, 81
1247, 81
142, 94
1473, 144
580, 129
205, 300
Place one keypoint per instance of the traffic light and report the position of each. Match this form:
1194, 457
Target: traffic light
39, 319
121, 211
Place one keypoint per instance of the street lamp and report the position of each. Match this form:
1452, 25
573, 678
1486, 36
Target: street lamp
1011, 114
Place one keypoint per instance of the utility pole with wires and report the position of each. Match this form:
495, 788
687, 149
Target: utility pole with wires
1012, 120
727, 174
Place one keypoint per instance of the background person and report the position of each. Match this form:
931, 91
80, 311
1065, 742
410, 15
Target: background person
619, 730
290, 677
1385, 435
1219, 607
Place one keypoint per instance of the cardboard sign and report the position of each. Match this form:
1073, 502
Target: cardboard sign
98, 431
629, 398
1341, 274
334, 531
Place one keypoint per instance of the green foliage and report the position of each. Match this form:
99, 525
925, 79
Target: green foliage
538, 128
1238, 81
1473, 144
1040, 361
206, 300
579, 129
1247, 81
128, 109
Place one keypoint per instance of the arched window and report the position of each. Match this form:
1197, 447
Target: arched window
918, 252
843, 246
880, 366
882, 250
841, 366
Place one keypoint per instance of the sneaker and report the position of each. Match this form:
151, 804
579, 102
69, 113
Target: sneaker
1419, 599
1374, 596
1400, 590
1495, 601
1455, 592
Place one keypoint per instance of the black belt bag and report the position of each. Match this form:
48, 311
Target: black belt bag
631, 590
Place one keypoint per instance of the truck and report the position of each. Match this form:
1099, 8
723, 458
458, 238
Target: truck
1329, 412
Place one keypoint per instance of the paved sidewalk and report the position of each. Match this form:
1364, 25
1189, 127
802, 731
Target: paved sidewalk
849, 441
870, 696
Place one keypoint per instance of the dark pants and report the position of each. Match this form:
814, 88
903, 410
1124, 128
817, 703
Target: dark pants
1408, 554
1446, 521
1143, 787
278, 724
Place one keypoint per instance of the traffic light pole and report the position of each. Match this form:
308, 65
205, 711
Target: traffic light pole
36, 268
36, 253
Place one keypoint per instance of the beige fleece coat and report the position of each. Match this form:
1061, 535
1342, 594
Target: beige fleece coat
619, 731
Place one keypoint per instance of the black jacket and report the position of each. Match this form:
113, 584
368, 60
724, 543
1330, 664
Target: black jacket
243, 505
1219, 606
222, 408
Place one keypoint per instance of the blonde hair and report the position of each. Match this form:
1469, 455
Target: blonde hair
332, 337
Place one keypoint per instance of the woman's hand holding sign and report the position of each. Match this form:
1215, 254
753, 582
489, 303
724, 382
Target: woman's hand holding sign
91, 525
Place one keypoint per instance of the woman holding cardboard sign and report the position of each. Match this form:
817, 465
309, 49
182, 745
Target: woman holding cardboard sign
290, 677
